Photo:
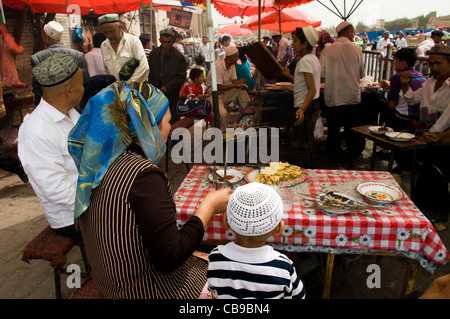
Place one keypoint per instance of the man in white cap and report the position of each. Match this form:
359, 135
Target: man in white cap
51, 39
432, 194
120, 48
228, 85
342, 67
282, 46
42, 143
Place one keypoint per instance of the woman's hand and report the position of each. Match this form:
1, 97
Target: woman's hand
215, 202
218, 200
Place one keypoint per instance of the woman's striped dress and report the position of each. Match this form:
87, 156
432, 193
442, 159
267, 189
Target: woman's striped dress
121, 266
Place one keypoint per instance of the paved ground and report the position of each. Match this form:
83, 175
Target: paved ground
21, 218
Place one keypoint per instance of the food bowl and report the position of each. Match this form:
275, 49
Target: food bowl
379, 192
376, 130
233, 176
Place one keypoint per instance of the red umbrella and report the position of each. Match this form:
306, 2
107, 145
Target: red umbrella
235, 29
61, 6
287, 20
241, 8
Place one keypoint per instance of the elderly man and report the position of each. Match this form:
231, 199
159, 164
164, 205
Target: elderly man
228, 86
426, 45
42, 144
342, 67
434, 96
433, 197
120, 47
168, 70
51, 38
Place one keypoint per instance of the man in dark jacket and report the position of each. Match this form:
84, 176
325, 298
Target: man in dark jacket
168, 70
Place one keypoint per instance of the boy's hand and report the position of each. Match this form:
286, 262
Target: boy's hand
385, 84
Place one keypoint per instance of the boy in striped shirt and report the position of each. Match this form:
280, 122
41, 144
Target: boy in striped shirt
247, 267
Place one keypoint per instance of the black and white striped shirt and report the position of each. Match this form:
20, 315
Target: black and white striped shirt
260, 273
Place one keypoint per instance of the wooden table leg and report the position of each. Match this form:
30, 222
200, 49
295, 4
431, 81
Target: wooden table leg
372, 159
328, 275
411, 280
391, 161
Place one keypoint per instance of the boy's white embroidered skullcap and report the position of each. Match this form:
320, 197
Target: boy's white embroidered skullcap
254, 209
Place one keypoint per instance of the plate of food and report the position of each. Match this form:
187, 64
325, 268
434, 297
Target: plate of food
400, 137
278, 174
335, 202
380, 130
233, 176
379, 192
284, 83
374, 85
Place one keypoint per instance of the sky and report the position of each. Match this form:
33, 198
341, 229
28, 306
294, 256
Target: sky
368, 12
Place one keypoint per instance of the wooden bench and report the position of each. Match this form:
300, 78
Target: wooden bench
185, 122
19, 104
52, 247
88, 290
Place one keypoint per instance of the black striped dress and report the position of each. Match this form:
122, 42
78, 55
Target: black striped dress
121, 260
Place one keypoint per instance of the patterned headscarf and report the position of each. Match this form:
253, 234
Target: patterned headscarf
107, 126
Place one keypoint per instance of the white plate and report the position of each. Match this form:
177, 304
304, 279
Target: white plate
374, 130
250, 177
379, 192
400, 137
350, 201
233, 176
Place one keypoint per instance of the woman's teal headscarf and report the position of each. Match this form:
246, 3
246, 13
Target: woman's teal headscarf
107, 126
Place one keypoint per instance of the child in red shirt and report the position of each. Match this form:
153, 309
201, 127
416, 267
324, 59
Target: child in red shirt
194, 89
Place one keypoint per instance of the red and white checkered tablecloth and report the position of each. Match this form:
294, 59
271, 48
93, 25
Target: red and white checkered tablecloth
400, 227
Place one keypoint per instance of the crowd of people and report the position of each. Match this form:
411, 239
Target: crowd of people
93, 171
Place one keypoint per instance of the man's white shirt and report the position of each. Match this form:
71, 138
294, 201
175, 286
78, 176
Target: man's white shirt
42, 149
